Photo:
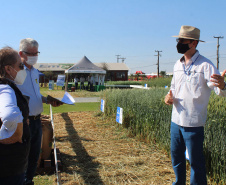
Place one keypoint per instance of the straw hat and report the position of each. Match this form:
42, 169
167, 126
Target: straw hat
189, 32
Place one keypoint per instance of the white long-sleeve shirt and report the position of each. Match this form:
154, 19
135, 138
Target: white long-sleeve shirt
10, 113
76, 80
191, 92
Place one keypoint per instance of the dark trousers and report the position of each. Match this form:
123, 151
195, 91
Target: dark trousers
12, 180
91, 87
88, 86
76, 85
81, 85
36, 137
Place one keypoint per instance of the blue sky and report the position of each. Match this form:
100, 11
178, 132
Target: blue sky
100, 29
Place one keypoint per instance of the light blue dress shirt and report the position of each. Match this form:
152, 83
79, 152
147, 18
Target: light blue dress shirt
31, 88
10, 113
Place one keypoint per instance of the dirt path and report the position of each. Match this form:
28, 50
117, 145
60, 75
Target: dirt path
98, 152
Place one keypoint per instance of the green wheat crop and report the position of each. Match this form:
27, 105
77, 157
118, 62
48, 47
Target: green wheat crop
146, 115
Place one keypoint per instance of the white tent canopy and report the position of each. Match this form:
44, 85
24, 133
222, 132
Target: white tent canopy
85, 66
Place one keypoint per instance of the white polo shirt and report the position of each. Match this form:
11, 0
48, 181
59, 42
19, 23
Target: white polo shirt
191, 92
76, 80
10, 113
31, 88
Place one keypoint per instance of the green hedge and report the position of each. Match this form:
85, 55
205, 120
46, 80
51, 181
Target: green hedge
157, 82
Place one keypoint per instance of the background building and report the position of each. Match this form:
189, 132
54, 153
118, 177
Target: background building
114, 71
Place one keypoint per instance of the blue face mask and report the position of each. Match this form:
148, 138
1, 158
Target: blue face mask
182, 48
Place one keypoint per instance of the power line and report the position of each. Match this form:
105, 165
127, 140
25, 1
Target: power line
123, 59
218, 45
143, 66
141, 56
210, 56
152, 65
169, 63
158, 61
117, 57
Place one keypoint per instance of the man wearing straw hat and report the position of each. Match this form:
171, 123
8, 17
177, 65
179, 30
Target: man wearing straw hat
193, 79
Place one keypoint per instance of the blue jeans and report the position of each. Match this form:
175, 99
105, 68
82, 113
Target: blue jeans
36, 137
192, 138
12, 180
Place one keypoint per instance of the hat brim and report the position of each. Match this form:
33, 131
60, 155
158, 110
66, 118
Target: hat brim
187, 38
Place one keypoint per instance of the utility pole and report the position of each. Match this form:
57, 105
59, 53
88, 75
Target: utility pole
117, 57
158, 61
123, 59
218, 49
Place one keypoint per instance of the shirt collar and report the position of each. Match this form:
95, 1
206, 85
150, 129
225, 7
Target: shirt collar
25, 67
193, 58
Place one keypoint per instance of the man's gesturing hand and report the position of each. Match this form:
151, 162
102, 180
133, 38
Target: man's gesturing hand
218, 80
169, 98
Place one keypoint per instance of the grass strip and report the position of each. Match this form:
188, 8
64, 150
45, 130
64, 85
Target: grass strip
78, 107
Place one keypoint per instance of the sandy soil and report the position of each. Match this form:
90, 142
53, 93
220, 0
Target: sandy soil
98, 151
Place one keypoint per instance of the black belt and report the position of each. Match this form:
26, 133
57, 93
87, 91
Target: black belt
34, 117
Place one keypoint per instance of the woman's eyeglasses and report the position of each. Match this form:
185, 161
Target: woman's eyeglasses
21, 66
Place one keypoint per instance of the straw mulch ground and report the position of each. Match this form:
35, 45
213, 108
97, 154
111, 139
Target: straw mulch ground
96, 151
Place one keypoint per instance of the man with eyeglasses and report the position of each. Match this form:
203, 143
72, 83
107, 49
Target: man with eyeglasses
194, 77
29, 56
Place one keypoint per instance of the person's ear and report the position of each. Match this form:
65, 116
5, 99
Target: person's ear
194, 43
20, 53
7, 69
22, 56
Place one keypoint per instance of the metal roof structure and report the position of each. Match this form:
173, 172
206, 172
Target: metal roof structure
52, 66
66, 66
85, 66
113, 66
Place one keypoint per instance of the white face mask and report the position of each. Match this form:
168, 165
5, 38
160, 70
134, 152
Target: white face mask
20, 76
32, 60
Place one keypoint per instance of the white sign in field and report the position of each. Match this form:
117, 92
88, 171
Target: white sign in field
60, 80
119, 115
102, 105
51, 84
